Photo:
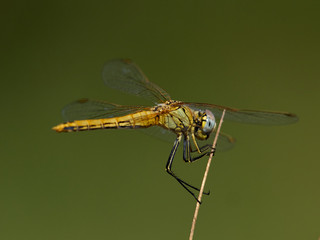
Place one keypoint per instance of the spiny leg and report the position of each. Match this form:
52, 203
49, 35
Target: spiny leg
188, 158
205, 148
206, 151
202, 148
187, 149
169, 165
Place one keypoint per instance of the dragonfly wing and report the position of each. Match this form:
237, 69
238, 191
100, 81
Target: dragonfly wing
225, 142
159, 133
247, 116
126, 76
95, 109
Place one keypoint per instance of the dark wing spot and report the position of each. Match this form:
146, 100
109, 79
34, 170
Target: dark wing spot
83, 100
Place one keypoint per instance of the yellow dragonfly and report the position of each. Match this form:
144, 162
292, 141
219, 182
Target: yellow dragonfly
188, 121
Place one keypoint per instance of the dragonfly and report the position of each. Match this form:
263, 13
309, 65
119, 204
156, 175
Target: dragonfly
189, 122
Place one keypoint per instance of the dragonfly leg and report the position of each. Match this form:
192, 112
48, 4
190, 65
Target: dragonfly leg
187, 149
202, 148
206, 149
199, 150
184, 184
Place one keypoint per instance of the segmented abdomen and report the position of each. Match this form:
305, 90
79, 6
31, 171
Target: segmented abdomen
136, 120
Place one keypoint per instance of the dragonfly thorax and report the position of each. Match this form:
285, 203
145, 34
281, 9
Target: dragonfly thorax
205, 124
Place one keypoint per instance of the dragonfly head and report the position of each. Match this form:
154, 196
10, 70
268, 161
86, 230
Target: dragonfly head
206, 126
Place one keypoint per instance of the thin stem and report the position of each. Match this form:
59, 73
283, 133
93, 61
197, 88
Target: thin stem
195, 216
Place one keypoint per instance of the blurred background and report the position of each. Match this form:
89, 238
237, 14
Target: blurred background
112, 184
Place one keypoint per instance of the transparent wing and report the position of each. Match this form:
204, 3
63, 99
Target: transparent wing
95, 109
247, 116
225, 141
126, 76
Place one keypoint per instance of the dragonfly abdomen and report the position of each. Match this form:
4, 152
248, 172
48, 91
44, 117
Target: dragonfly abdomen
136, 120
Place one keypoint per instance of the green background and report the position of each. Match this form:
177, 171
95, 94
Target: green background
112, 184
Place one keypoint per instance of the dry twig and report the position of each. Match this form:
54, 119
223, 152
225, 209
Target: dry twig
195, 216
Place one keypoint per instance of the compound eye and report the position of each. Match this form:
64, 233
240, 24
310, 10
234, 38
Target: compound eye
210, 123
